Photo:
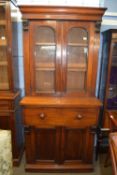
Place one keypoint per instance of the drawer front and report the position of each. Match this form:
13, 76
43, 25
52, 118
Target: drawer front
4, 105
60, 117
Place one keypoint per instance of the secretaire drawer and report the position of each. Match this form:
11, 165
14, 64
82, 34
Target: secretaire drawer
60, 117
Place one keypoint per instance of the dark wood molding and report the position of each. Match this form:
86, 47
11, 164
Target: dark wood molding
97, 26
53, 12
25, 24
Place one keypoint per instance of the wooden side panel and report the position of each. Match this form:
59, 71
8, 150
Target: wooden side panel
26, 59
5, 121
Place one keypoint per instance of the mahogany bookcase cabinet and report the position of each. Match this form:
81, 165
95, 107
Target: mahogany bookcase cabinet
10, 118
60, 109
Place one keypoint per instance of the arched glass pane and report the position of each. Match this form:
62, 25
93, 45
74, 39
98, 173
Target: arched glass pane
45, 49
77, 54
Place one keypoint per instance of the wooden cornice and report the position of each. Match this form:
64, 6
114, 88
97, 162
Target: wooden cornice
62, 13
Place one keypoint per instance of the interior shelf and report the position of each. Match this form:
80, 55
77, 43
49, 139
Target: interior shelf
77, 44
4, 86
3, 43
77, 67
45, 44
2, 4
45, 67
114, 64
2, 22
77, 70
3, 63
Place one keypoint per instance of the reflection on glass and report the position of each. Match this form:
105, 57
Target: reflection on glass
77, 53
112, 95
2, 36
4, 85
44, 53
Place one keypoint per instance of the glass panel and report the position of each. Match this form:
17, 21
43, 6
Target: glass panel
45, 50
112, 96
3, 50
77, 53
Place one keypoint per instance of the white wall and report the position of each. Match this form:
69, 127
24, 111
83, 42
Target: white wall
92, 3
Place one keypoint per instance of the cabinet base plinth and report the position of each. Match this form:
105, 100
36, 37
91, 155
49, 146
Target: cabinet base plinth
59, 168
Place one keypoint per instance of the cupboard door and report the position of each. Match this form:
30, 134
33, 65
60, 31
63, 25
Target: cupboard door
44, 144
4, 82
43, 52
77, 50
74, 140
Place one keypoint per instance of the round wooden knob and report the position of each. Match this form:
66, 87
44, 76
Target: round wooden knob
79, 116
42, 115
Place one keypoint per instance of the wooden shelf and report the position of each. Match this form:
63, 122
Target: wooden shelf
77, 67
2, 4
76, 70
45, 44
2, 22
114, 56
45, 67
114, 64
3, 43
3, 63
77, 44
4, 86
42, 91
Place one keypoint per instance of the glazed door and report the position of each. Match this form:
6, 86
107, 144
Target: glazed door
75, 58
4, 82
44, 57
59, 61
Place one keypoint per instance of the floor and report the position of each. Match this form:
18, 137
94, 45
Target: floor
99, 169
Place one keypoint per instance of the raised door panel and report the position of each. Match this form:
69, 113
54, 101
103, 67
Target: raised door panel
74, 150
44, 144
